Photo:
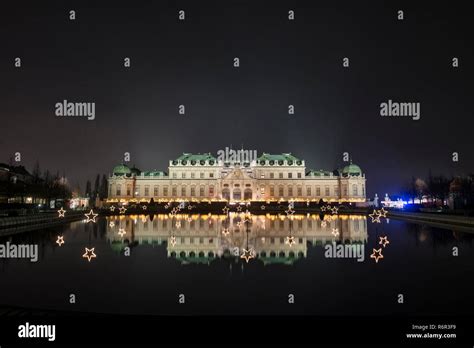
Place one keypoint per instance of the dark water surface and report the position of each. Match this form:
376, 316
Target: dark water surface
198, 260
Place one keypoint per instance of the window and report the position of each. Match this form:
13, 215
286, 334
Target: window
183, 175
211, 191
344, 190
129, 190
201, 191
201, 175
308, 191
119, 190
318, 191
192, 175
193, 191
354, 190
336, 191
174, 176
165, 191
280, 175
290, 191
262, 175
290, 175
363, 190
147, 191
272, 175
183, 191
299, 175
272, 191
299, 191
155, 191
280, 191
262, 190
211, 175
137, 190
326, 191
174, 191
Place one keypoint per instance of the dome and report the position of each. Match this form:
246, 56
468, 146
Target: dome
121, 169
352, 169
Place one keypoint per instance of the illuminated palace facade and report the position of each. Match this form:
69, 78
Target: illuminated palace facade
201, 177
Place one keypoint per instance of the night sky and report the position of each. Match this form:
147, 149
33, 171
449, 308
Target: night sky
282, 62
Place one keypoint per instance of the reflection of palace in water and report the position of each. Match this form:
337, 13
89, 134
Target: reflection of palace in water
201, 238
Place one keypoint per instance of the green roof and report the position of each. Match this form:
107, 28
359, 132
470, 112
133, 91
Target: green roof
196, 158
352, 169
319, 172
121, 169
279, 159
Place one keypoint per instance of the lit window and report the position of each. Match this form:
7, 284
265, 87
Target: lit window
137, 190
211, 191
262, 176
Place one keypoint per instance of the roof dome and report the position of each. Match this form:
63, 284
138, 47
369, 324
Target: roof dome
352, 169
121, 169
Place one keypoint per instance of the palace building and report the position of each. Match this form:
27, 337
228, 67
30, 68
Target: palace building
202, 177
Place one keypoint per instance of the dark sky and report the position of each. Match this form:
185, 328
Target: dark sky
282, 62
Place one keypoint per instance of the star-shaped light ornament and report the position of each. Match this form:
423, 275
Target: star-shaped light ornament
383, 213
383, 241
247, 255
144, 207
375, 216
239, 223
225, 210
178, 224
122, 232
91, 216
334, 210
112, 224
112, 208
225, 232
60, 240
290, 240
89, 254
262, 207
173, 241
122, 210
239, 208
376, 254
61, 212
323, 223
323, 208
289, 212
335, 232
